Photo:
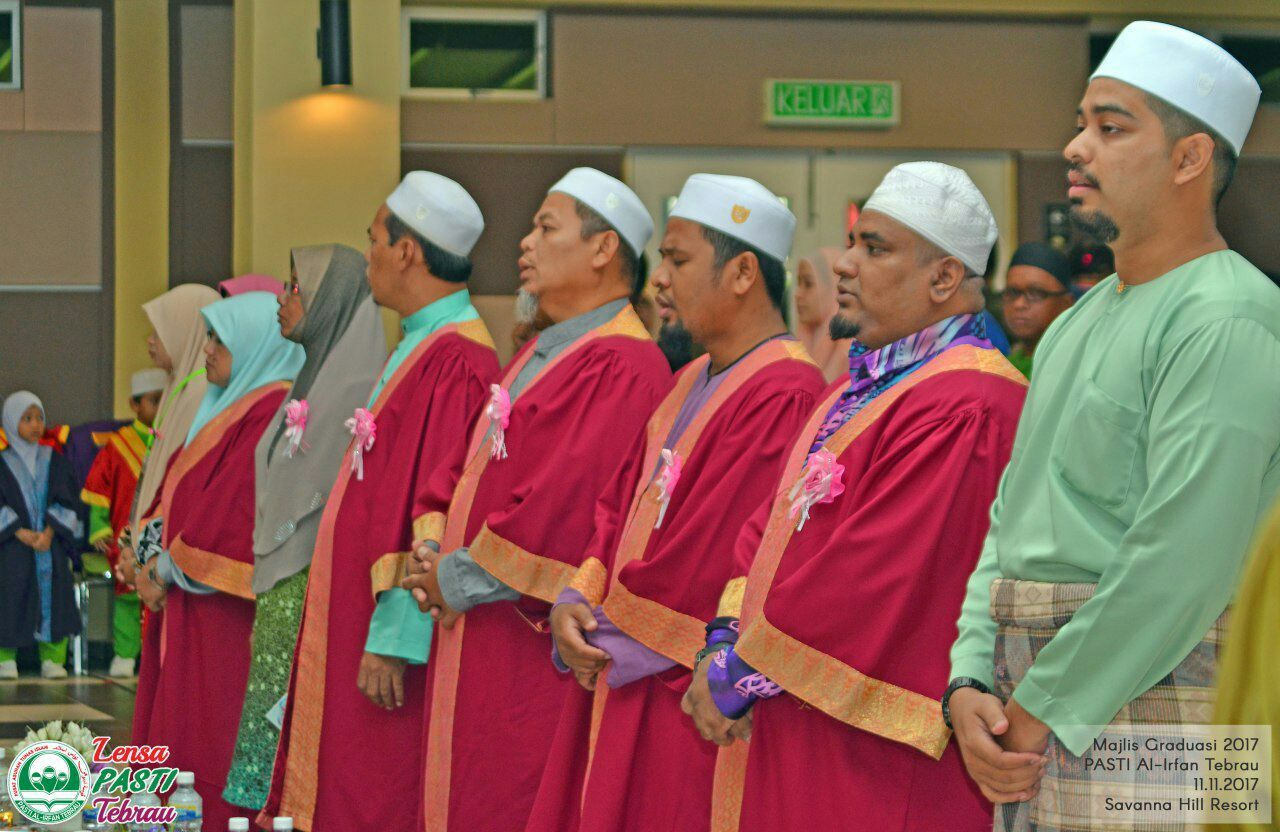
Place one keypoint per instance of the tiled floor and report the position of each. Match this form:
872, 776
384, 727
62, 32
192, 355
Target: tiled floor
104, 705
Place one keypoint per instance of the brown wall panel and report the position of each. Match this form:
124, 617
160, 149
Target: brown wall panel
51, 216
208, 51
509, 187
698, 80
1246, 216
1041, 180
58, 345
12, 110
62, 68
491, 122
689, 79
200, 214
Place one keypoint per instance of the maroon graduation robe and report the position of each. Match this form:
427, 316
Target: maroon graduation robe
208, 504
855, 614
649, 768
344, 763
527, 519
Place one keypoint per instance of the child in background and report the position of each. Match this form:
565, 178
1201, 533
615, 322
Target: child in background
108, 491
39, 533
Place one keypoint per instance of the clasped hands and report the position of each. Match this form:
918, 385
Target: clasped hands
150, 591
711, 723
40, 541
424, 582
1003, 746
570, 623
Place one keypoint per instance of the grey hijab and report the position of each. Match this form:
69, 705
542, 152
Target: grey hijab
346, 348
14, 408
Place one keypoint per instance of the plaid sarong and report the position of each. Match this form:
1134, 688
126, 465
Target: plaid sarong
1028, 614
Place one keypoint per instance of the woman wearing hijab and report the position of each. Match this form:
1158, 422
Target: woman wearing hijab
176, 344
200, 573
39, 533
328, 310
815, 297
249, 283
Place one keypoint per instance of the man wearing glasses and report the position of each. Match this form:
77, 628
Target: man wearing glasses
1037, 290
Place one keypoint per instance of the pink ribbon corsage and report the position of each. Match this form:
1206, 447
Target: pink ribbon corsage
820, 484
666, 481
364, 430
499, 413
295, 424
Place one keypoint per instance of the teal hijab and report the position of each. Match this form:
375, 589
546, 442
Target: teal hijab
247, 325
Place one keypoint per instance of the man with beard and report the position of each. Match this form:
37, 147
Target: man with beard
562, 419
1150, 439
662, 552
673, 339
857, 567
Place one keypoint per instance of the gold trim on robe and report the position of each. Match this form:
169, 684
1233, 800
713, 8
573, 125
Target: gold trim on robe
529, 574
670, 632
387, 572
589, 579
430, 527
730, 605
218, 571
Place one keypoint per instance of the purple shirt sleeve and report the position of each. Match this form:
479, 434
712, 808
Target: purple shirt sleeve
629, 659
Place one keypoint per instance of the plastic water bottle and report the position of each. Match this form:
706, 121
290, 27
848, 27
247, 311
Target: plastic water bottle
140, 800
238, 825
187, 801
282, 824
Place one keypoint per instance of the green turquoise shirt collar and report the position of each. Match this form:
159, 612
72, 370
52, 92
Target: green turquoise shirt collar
437, 313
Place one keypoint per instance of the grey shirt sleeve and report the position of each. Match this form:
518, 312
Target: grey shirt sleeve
168, 572
465, 584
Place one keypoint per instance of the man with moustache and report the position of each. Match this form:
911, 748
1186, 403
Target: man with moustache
662, 552
570, 405
1150, 438
856, 567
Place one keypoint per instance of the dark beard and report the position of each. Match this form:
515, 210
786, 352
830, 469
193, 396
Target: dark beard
1094, 223
840, 328
676, 344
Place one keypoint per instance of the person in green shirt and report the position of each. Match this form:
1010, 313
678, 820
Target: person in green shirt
1037, 290
1148, 448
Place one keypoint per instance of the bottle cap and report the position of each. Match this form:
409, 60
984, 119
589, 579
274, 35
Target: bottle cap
238, 825
283, 823
186, 778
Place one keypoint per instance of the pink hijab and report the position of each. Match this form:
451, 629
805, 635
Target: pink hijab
250, 283
832, 357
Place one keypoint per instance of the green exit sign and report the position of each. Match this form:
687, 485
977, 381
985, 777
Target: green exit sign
799, 103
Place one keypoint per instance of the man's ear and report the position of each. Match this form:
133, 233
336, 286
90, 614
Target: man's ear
744, 272
947, 278
606, 249
1193, 157
407, 252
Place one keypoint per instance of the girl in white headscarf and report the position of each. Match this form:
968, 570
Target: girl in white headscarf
39, 533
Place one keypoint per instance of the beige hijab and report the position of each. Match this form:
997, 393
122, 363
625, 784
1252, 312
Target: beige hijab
832, 357
175, 316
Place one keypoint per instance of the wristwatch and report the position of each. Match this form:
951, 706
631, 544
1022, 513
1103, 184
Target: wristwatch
708, 650
956, 684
